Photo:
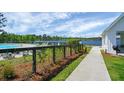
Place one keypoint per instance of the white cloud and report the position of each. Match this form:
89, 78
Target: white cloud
82, 25
60, 15
76, 26
23, 21
43, 23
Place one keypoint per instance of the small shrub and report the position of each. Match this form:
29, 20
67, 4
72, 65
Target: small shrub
27, 75
8, 72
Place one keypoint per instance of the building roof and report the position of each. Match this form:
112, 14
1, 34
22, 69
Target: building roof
113, 23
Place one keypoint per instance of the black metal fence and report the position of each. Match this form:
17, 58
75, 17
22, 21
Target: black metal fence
68, 50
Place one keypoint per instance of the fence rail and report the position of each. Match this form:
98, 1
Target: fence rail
78, 47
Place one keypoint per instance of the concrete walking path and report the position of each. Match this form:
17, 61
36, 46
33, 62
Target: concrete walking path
92, 68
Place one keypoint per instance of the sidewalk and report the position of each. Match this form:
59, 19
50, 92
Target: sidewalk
92, 68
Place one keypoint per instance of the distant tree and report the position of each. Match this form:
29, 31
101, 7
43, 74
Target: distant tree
40, 37
44, 37
3, 21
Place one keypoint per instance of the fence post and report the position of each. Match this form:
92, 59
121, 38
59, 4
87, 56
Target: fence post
81, 47
70, 50
75, 49
78, 47
54, 55
34, 61
64, 52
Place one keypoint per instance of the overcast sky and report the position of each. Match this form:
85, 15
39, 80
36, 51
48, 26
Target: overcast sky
76, 24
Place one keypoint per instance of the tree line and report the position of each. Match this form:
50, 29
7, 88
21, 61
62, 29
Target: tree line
6, 37
30, 38
14, 38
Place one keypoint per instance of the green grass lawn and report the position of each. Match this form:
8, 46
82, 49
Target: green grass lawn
115, 66
69, 69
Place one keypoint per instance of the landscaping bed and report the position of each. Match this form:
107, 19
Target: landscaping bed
45, 70
51, 70
62, 75
20, 69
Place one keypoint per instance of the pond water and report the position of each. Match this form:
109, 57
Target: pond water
97, 42
91, 42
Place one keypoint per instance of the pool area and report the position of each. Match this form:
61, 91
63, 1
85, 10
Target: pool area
9, 55
7, 46
11, 45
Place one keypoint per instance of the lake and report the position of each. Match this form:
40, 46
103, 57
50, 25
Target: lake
91, 42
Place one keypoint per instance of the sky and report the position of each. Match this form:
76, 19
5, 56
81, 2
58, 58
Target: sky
66, 24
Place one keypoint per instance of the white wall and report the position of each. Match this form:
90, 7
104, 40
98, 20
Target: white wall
122, 39
103, 41
110, 36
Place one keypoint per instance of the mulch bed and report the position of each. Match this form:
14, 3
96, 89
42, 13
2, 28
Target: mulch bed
44, 71
53, 69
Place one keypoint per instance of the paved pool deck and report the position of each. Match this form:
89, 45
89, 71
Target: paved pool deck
92, 68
